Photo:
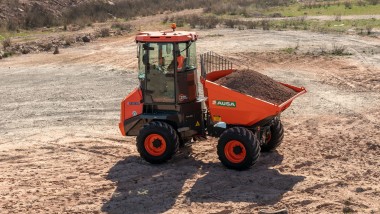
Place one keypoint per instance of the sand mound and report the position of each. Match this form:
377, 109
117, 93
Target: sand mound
257, 85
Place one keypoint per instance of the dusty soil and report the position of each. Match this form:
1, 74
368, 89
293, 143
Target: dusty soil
61, 150
257, 85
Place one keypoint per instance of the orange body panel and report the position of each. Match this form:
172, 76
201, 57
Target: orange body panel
131, 106
233, 107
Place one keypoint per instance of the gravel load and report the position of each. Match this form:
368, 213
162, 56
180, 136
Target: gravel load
257, 85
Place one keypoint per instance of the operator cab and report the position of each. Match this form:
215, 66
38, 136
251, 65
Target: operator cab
167, 67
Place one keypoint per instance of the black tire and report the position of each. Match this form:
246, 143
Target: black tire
247, 140
276, 135
168, 135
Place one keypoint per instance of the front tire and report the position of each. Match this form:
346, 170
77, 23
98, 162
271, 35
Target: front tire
238, 148
157, 142
274, 137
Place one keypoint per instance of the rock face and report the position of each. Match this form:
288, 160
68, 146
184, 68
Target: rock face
257, 85
17, 10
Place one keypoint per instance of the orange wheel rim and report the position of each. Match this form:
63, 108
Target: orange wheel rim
235, 151
155, 144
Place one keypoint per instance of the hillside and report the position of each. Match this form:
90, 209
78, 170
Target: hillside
14, 9
14, 13
28, 14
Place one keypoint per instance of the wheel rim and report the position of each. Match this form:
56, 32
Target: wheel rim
155, 144
268, 137
235, 151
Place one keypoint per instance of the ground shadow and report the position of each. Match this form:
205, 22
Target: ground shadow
147, 188
261, 184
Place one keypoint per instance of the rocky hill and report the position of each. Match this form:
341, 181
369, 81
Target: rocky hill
15, 13
27, 14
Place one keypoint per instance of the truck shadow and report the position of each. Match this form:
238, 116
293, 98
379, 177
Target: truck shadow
147, 188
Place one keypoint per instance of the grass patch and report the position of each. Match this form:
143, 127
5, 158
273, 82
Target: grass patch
341, 9
361, 26
10, 34
294, 9
289, 50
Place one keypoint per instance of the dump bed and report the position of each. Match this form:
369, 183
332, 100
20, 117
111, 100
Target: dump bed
233, 107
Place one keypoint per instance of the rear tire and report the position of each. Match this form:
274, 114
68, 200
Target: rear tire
157, 142
238, 148
275, 135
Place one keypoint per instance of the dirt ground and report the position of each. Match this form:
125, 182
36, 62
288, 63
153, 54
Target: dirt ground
61, 150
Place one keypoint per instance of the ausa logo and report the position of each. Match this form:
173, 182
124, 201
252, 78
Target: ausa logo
224, 103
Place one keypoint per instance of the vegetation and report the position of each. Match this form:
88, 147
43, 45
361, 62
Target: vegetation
99, 11
96, 11
6, 43
291, 8
361, 26
317, 9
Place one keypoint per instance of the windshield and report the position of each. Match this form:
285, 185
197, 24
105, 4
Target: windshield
159, 64
161, 56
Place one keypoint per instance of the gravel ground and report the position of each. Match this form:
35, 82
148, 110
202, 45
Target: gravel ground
61, 150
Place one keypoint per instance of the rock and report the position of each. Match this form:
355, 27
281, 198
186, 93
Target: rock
86, 39
359, 189
56, 50
348, 210
25, 50
282, 211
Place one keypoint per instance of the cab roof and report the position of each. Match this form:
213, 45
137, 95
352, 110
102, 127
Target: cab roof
166, 36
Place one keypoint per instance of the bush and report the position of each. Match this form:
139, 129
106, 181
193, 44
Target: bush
6, 43
207, 22
105, 32
165, 19
265, 24
373, 2
251, 24
230, 23
38, 16
361, 3
369, 29
338, 50
348, 5
8, 54
122, 26
100, 11
12, 25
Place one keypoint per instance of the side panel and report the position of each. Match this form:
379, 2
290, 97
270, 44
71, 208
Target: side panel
186, 87
236, 108
131, 106
215, 75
